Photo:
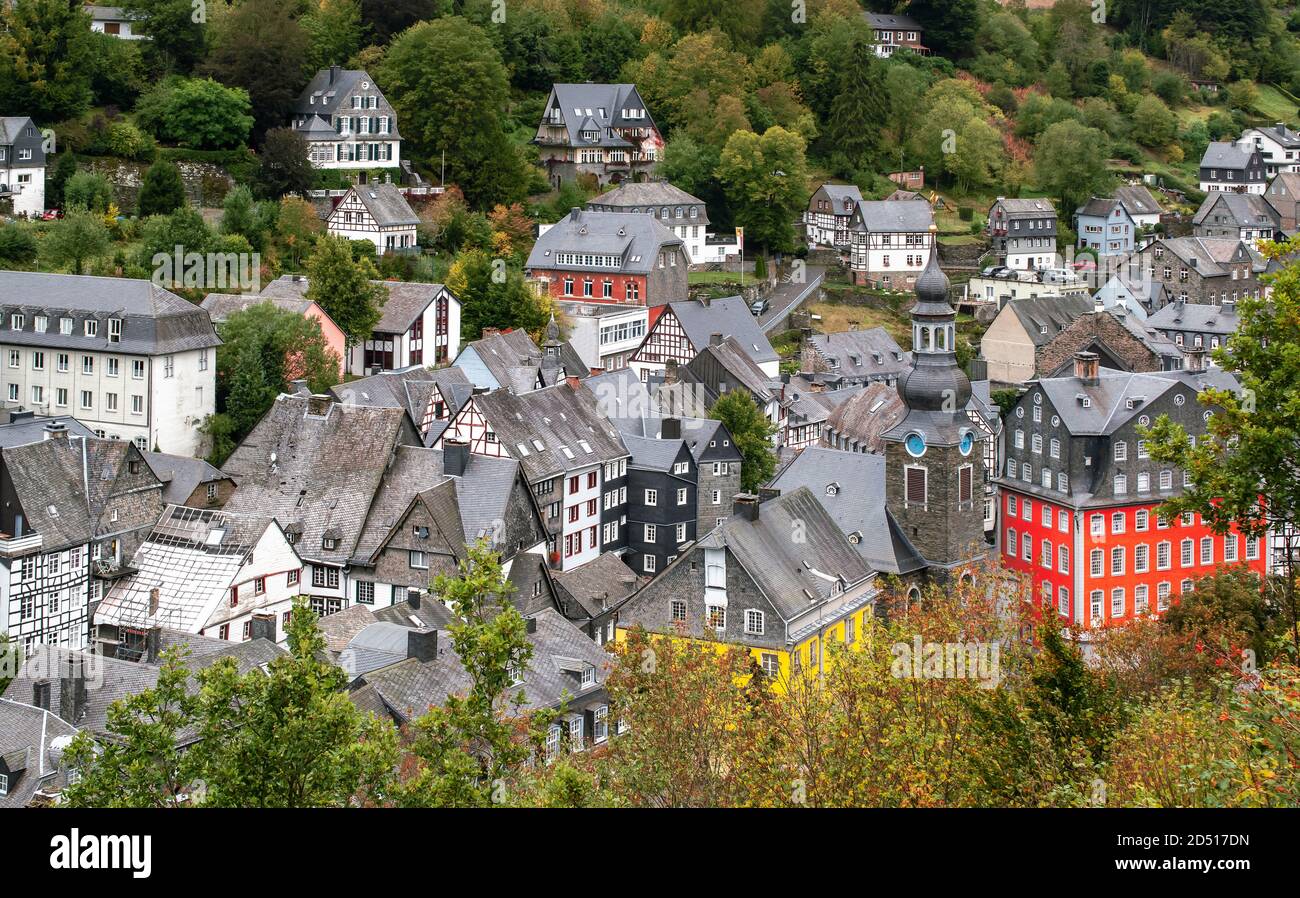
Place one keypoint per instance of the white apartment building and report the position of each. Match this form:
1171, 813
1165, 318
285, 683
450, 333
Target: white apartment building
604, 336
125, 357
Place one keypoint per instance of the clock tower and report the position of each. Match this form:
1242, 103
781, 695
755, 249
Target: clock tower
934, 463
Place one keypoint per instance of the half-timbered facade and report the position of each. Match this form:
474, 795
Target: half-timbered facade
597, 129
683, 329
890, 242
830, 209
573, 457
378, 213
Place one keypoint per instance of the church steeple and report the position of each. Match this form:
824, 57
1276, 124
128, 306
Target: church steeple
936, 382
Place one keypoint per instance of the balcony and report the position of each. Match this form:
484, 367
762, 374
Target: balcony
13, 546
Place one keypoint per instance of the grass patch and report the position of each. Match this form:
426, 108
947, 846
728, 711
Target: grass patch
713, 277
837, 317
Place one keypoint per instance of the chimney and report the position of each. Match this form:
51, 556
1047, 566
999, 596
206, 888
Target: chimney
334, 73
413, 599
21, 414
670, 429
318, 404
572, 381
72, 688
1087, 367
1228, 307
715, 339
152, 648
55, 430
455, 457
41, 694
575, 214
1281, 128
155, 599
491, 332
745, 505
300, 387
531, 625
1195, 358
422, 645
263, 627
670, 371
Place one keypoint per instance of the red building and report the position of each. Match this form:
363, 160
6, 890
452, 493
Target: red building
1080, 495
610, 257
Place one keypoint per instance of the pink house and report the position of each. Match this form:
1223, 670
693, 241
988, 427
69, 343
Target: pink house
221, 306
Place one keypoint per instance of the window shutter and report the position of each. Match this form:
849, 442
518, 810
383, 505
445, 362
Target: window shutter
915, 486
964, 484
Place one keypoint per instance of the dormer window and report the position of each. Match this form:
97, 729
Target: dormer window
115, 330
92, 327
329, 544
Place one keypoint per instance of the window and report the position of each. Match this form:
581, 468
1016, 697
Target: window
681, 496
1117, 522
771, 665
717, 617
324, 577
1185, 558
137, 369
651, 497
648, 564
1141, 558
1027, 547
1094, 603
234, 596
1207, 550
600, 724
914, 486
754, 622
1162, 596
87, 399
1013, 546
365, 593
169, 366
1252, 548
1141, 519
1095, 558
1121, 451
1230, 547
292, 578
1045, 554
677, 611
1121, 484
1117, 602
91, 327
418, 560
1063, 559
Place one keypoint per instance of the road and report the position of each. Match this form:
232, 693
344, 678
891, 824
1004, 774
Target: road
787, 297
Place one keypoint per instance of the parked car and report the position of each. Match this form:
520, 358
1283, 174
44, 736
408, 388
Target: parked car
759, 307
1059, 276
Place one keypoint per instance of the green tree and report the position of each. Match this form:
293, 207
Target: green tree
1153, 124
162, 234
751, 433
859, 111
949, 25
449, 87
64, 168
765, 178
78, 238
468, 748
162, 192
177, 31
46, 59
88, 190
283, 165
1070, 163
1242, 471
17, 246
493, 297
1232, 600
262, 49
345, 288
197, 112
239, 215
334, 32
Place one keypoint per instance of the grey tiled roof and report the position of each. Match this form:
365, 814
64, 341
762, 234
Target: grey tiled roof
30, 740
635, 239
743, 371
385, 204
517, 364
1221, 154
559, 418
892, 23
728, 316
1206, 254
851, 487
1034, 207
154, 321
1056, 313
644, 194
870, 352
1137, 200
181, 475
867, 415
573, 101
406, 300
892, 216
32, 430
317, 472
792, 574
599, 584
1242, 210
1195, 317
1107, 410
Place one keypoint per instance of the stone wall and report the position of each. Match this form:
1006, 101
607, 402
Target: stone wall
205, 184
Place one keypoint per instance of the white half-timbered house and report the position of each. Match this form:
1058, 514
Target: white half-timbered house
572, 456
683, 329
891, 241
830, 210
378, 213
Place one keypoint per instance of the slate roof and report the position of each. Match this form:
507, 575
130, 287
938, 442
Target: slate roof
1138, 200
1056, 313
792, 575
406, 300
1243, 210
1194, 317
1281, 134
1099, 207
1034, 207
598, 585
221, 306
1108, 410
735, 361
629, 404
729, 316
517, 364
643, 195
573, 101
31, 429
559, 418
870, 413
891, 216
329, 96
181, 475
862, 353
838, 193
891, 23
154, 321
1148, 293
1220, 154
11, 127
851, 487
385, 204
1206, 254
635, 239
431, 613
319, 473
409, 687
30, 740
410, 389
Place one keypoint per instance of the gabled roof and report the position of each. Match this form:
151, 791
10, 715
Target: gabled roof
221, 306
1207, 255
11, 127
631, 407
1243, 210
1107, 409
28, 428
645, 194
1220, 154
868, 352
1056, 313
181, 475
728, 316
192, 557
732, 358
793, 575
1101, 207
407, 388
317, 472
838, 193
867, 415
1280, 134
635, 240
891, 23
329, 94
1138, 200
851, 487
552, 430
598, 107
598, 585
385, 204
1033, 207
891, 216
517, 364
31, 741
